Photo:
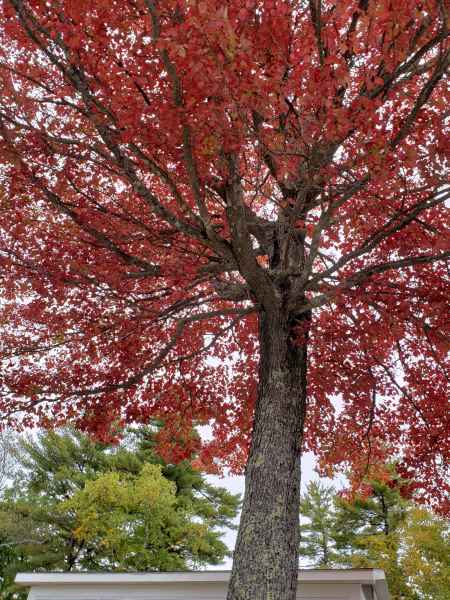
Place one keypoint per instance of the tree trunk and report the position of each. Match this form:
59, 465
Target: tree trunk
265, 563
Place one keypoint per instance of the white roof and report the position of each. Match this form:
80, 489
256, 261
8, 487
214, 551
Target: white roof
363, 576
373, 578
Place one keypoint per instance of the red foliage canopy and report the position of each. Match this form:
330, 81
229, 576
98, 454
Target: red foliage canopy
131, 286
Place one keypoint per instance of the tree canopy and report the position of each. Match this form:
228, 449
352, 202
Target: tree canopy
193, 188
76, 504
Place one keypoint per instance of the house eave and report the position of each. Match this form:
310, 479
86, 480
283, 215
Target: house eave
373, 577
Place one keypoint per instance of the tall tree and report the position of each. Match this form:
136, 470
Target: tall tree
379, 510
264, 181
318, 529
78, 504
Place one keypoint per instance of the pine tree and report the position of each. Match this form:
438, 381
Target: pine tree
379, 529
77, 504
369, 532
318, 534
379, 511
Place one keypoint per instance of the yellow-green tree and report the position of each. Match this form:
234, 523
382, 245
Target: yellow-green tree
415, 556
135, 523
379, 530
426, 556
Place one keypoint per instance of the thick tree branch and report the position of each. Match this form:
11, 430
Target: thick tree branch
438, 73
364, 274
256, 277
315, 9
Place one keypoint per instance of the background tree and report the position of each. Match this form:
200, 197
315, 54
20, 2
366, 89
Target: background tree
76, 504
318, 526
11, 562
426, 560
9, 557
134, 523
263, 181
8, 441
380, 529
370, 531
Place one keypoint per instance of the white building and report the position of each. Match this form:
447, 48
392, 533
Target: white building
326, 584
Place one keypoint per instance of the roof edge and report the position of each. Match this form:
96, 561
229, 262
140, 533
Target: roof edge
374, 577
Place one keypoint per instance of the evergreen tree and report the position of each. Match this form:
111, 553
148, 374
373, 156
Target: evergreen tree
317, 526
8, 441
11, 561
380, 511
369, 530
77, 504
379, 529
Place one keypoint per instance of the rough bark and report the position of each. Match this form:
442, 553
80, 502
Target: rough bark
266, 556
